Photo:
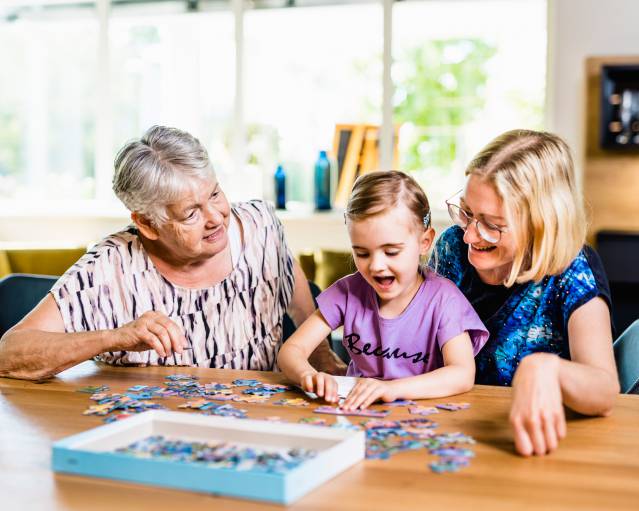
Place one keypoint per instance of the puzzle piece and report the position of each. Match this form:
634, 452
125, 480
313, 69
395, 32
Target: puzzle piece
252, 399
356, 413
453, 452
228, 411
453, 407
298, 401
440, 467
180, 377
423, 410
92, 389
136, 388
102, 409
200, 404
245, 383
401, 402
455, 438
222, 397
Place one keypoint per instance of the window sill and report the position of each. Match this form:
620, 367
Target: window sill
82, 223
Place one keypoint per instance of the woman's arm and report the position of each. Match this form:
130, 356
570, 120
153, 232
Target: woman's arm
301, 307
543, 382
295, 352
456, 376
589, 383
38, 347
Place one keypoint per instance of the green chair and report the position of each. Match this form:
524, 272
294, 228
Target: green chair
627, 356
19, 293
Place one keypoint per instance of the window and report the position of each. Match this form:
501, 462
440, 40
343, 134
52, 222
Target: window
47, 119
176, 70
463, 72
460, 83
306, 70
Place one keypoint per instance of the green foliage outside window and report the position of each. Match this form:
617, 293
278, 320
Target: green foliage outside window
440, 87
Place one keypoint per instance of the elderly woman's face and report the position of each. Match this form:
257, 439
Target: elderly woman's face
197, 226
491, 260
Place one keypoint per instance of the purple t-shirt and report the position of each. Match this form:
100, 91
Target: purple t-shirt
409, 344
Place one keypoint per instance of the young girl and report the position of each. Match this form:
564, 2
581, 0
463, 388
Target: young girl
410, 333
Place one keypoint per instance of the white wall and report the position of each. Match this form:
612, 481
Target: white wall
578, 29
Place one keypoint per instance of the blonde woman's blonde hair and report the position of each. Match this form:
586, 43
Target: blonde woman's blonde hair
377, 192
533, 173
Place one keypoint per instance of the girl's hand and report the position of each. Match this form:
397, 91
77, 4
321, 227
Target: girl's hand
368, 390
322, 384
537, 412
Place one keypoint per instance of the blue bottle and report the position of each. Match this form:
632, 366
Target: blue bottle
322, 182
280, 188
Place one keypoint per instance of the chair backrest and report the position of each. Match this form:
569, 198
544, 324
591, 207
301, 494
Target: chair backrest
19, 293
627, 358
619, 252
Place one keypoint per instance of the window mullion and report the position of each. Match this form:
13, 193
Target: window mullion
387, 131
103, 123
239, 135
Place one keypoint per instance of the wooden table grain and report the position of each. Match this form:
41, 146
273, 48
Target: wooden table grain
596, 467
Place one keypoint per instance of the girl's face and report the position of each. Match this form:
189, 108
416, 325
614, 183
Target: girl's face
386, 249
491, 260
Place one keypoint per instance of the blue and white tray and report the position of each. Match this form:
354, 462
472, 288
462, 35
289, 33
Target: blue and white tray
92, 453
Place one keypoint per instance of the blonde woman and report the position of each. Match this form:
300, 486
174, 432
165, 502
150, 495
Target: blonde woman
517, 252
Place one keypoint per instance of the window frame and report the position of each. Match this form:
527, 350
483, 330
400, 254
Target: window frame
104, 202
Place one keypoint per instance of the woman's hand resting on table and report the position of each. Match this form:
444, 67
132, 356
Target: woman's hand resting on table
537, 412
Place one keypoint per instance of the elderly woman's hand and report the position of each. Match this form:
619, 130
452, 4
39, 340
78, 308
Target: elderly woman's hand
152, 330
537, 412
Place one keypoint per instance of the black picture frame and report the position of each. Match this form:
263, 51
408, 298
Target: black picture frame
619, 124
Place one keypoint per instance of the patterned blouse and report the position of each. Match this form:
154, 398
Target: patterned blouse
236, 324
530, 317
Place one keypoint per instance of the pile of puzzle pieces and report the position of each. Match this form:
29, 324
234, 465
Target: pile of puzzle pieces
384, 438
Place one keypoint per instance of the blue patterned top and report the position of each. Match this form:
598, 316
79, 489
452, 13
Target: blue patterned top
531, 317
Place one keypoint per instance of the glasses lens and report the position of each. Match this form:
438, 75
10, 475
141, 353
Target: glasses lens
457, 216
489, 234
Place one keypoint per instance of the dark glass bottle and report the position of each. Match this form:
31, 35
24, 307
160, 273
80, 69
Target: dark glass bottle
322, 182
280, 188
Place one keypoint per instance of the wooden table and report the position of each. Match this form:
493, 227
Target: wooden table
596, 467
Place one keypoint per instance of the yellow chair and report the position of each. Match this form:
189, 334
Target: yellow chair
332, 265
39, 261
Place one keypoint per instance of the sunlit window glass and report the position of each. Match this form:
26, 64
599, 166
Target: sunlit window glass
307, 69
465, 71
47, 95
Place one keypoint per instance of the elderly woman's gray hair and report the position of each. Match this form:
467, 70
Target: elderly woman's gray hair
159, 169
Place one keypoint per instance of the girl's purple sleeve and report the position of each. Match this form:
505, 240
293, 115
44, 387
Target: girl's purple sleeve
458, 317
332, 303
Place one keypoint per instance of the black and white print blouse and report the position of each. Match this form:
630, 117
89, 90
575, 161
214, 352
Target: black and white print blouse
235, 324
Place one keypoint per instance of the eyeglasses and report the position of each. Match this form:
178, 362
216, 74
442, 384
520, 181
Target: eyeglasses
487, 231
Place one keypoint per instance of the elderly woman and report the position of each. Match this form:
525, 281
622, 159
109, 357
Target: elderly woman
193, 281
517, 252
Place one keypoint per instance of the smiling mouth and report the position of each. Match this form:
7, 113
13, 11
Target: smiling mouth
215, 235
483, 249
384, 281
